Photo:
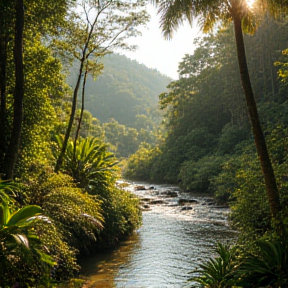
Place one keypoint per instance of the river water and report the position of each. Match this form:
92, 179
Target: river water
171, 242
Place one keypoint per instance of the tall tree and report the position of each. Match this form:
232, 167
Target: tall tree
208, 13
12, 152
6, 8
18, 20
104, 26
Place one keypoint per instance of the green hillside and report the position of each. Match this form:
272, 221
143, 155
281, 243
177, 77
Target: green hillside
124, 90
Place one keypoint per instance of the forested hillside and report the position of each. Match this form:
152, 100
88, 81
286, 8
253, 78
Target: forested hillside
123, 101
124, 90
208, 145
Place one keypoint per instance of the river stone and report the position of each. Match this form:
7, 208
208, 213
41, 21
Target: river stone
209, 201
170, 193
187, 201
186, 208
217, 223
146, 199
157, 201
220, 206
139, 188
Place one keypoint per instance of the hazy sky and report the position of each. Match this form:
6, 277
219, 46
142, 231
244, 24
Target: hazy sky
156, 52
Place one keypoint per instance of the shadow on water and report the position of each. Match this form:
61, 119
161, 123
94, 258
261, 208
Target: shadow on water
101, 269
170, 243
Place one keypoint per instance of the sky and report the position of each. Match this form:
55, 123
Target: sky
156, 52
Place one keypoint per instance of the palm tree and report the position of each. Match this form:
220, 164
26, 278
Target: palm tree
208, 13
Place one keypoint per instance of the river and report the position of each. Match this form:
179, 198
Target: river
171, 242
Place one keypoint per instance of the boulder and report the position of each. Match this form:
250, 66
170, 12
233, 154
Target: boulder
157, 201
209, 199
139, 188
146, 199
169, 193
187, 201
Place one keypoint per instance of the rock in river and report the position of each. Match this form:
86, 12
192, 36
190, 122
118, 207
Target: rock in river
187, 201
169, 193
139, 188
157, 201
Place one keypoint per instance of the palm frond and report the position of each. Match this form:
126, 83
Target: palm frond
173, 13
267, 266
216, 272
7, 190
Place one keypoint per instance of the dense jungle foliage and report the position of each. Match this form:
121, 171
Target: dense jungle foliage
207, 145
59, 198
58, 194
218, 141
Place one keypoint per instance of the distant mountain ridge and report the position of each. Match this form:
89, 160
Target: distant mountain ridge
124, 89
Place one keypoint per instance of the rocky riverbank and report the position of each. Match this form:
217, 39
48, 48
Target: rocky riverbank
171, 197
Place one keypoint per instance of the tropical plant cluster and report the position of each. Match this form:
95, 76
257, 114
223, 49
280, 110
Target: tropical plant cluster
263, 265
58, 199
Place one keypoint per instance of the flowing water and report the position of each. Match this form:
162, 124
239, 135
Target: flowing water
171, 242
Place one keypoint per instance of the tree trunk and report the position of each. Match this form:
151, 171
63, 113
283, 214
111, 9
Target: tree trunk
13, 149
3, 63
72, 116
267, 169
84, 58
81, 114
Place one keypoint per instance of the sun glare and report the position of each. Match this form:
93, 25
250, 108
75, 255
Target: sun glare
250, 3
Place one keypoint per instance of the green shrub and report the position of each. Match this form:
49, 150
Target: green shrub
197, 176
249, 205
23, 259
76, 213
94, 169
250, 209
64, 255
139, 165
121, 214
232, 135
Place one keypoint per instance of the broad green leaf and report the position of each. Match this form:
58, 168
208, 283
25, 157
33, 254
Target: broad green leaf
23, 214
